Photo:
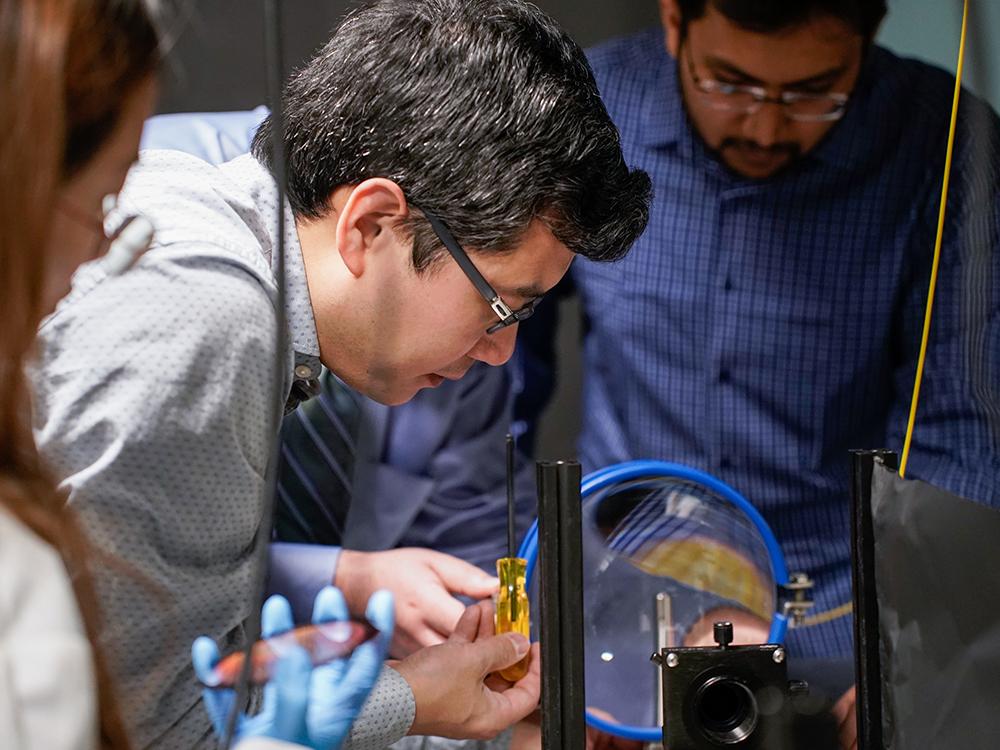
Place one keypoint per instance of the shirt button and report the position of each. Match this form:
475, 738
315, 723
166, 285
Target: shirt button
728, 286
723, 375
303, 372
725, 463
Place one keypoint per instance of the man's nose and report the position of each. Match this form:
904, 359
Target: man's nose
764, 126
495, 348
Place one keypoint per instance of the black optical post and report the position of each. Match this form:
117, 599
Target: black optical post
560, 563
867, 665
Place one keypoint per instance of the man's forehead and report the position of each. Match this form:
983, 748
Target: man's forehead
824, 71
533, 267
532, 289
815, 51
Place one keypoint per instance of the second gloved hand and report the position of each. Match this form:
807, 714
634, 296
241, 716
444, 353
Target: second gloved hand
312, 707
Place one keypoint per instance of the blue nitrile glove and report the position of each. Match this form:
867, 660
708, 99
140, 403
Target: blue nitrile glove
339, 690
313, 707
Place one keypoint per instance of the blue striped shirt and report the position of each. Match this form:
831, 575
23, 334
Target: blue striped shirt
761, 329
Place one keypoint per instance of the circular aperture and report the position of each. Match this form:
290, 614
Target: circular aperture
725, 710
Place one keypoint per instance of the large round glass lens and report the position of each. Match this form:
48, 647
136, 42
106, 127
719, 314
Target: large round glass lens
659, 557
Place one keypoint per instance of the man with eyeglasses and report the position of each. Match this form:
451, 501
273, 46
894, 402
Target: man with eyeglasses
770, 317
434, 511
447, 160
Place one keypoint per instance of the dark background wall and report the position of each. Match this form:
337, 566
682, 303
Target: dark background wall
217, 63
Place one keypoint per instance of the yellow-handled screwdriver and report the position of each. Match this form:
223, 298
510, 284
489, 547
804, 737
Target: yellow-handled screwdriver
512, 599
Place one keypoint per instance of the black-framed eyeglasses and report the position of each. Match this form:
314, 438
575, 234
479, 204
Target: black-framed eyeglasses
507, 316
798, 105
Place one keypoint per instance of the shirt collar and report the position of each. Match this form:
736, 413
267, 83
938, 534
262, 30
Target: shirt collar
298, 305
665, 121
298, 309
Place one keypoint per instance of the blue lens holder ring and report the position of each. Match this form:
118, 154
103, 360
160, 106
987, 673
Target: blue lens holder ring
631, 470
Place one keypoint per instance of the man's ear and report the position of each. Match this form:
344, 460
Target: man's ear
368, 217
670, 17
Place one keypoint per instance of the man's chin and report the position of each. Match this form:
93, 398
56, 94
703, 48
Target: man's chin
757, 169
756, 163
393, 391
394, 394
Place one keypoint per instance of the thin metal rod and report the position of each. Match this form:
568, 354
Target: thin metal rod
511, 521
664, 639
274, 52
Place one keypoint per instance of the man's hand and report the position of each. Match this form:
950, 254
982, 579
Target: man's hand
457, 690
845, 712
422, 582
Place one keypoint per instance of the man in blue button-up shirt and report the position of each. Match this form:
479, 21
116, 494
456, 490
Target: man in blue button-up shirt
769, 319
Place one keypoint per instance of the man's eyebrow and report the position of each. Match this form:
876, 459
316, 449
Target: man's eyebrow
524, 292
826, 76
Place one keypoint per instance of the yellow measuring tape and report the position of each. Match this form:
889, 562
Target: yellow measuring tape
845, 609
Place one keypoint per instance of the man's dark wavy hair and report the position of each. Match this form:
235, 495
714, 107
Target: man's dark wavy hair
484, 112
769, 16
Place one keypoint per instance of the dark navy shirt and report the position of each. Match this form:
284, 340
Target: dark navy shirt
761, 329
